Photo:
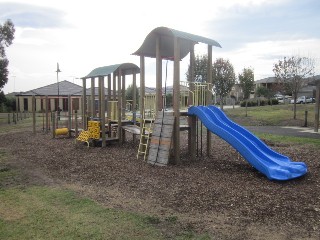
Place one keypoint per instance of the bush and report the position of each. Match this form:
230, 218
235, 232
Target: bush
263, 102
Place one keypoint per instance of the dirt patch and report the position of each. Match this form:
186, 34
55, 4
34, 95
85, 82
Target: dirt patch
221, 194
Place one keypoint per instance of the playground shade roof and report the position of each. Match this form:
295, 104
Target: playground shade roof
126, 69
167, 35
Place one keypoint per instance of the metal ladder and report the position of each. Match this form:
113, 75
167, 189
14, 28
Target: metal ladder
145, 135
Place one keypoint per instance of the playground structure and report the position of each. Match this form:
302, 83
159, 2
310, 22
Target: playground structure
116, 101
169, 44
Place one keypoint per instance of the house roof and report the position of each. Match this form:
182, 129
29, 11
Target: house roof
266, 80
126, 69
312, 80
167, 35
65, 88
315, 81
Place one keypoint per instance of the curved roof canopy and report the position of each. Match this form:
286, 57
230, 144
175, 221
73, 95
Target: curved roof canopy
148, 48
126, 69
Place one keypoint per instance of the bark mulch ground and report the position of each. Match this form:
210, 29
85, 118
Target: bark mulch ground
221, 194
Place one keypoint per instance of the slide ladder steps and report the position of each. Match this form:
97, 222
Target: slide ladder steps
145, 135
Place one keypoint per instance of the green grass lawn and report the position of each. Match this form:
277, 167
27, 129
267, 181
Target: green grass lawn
52, 213
45, 212
275, 115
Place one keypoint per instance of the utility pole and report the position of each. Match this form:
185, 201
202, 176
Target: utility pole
58, 70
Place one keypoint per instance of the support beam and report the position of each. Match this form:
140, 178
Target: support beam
142, 87
99, 98
134, 100
159, 102
92, 103
123, 96
84, 104
114, 87
176, 100
102, 111
119, 106
47, 114
34, 114
208, 95
191, 119
109, 97
69, 116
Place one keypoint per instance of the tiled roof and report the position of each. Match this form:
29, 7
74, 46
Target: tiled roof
65, 88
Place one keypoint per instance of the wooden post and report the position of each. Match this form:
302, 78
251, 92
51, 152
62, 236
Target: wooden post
159, 101
176, 100
317, 106
9, 118
191, 119
109, 97
119, 106
99, 97
93, 94
103, 110
53, 125
123, 96
69, 116
142, 87
34, 114
84, 104
76, 124
14, 118
134, 100
209, 96
114, 88
47, 114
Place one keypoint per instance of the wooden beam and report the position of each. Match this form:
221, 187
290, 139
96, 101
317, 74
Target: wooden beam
84, 104
134, 100
102, 110
209, 96
159, 104
109, 96
114, 88
47, 114
119, 106
123, 96
142, 86
69, 116
176, 100
99, 97
191, 119
93, 105
34, 114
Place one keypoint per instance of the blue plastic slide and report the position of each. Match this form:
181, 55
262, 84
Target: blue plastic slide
272, 164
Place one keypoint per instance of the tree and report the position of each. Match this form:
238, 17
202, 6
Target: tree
292, 74
6, 37
246, 79
223, 77
129, 93
200, 69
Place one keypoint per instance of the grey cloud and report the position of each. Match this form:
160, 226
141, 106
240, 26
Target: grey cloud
291, 20
26, 15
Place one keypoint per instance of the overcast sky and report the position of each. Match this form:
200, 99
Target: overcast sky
83, 35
